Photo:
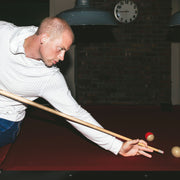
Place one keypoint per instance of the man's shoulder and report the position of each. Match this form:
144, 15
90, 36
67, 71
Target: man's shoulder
6, 25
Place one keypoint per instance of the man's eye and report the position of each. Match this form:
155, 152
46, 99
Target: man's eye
61, 49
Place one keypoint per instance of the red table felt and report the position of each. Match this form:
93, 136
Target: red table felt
47, 142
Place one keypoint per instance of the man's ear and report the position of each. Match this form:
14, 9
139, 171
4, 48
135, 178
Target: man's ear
44, 38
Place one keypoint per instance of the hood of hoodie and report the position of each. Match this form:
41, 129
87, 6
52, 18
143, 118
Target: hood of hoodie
18, 36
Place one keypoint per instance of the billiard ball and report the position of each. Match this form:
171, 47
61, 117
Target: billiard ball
149, 136
175, 150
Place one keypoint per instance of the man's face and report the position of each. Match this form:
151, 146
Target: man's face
53, 50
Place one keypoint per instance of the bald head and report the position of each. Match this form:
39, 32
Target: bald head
54, 27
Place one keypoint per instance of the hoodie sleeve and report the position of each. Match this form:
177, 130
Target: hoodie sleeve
57, 93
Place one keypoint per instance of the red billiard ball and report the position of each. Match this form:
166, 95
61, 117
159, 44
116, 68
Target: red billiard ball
149, 136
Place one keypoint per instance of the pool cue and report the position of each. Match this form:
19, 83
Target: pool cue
29, 102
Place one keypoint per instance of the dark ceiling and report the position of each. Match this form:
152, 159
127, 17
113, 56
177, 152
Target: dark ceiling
22, 12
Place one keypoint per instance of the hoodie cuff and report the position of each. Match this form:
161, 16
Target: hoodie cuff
116, 146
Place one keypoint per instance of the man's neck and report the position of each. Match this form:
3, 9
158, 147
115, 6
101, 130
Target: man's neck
31, 46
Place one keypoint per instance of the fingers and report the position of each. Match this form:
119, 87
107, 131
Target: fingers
142, 145
140, 152
136, 141
133, 142
135, 147
143, 142
145, 148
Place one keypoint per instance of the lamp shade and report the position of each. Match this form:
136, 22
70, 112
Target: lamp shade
83, 14
175, 19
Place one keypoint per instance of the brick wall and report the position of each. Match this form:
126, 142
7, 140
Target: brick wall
133, 67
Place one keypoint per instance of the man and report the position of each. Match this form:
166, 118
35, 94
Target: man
27, 68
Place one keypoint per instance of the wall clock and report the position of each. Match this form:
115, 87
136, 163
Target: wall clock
125, 11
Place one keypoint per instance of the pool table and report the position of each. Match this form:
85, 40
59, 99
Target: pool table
49, 148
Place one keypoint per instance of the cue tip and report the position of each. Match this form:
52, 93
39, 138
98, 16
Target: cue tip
160, 151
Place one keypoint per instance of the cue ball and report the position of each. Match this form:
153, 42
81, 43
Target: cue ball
149, 136
175, 151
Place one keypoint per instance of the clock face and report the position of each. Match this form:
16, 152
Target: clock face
126, 11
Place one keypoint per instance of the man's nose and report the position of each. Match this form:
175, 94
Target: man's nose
61, 55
